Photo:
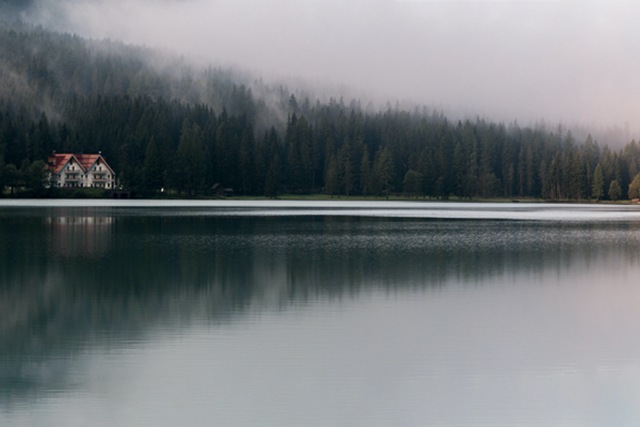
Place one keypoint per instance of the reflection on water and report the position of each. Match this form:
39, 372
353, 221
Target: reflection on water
80, 235
347, 320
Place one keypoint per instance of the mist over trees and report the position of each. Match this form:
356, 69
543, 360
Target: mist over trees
163, 125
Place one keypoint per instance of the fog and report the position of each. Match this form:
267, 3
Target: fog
573, 62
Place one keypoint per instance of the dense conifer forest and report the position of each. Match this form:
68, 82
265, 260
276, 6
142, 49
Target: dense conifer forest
162, 124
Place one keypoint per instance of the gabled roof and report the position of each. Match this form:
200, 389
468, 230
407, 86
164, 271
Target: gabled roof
58, 161
85, 161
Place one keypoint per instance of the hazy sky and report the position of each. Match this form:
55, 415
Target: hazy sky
526, 60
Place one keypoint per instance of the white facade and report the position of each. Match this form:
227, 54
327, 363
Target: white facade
81, 171
100, 175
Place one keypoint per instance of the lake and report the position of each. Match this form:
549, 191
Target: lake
255, 313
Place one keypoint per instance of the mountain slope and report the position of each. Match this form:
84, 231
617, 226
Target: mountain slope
163, 124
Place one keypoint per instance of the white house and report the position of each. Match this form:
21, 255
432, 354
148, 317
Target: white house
80, 170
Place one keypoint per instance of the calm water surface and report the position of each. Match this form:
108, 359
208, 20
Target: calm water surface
318, 314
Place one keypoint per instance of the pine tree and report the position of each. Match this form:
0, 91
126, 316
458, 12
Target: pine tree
272, 180
271, 183
152, 170
365, 173
332, 177
614, 190
412, 183
35, 176
11, 177
383, 171
597, 192
634, 187
191, 159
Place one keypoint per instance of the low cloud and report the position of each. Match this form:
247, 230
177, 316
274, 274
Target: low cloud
525, 60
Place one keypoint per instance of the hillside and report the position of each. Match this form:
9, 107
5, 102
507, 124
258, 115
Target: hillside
163, 124
43, 69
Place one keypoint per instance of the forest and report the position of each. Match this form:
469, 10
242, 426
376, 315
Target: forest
165, 126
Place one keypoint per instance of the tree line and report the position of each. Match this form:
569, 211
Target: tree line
331, 148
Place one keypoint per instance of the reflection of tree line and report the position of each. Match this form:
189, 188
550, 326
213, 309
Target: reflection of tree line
180, 269
244, 259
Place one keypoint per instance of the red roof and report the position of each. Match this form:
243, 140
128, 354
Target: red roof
58, 161
87, 160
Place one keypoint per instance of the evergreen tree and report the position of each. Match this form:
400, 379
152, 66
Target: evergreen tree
11, 177
272, 180
597, 191
191, 160
383, 171
293, 162
412, 183
332, 178
153, 170
614, 190
634, 187
271, 183
459, 167
530, 174
365, 173
35, 177
246, 160
346, 167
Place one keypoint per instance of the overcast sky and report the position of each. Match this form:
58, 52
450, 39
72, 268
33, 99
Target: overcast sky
526, 60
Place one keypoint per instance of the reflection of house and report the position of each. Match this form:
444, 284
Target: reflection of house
80, 170
88, 234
